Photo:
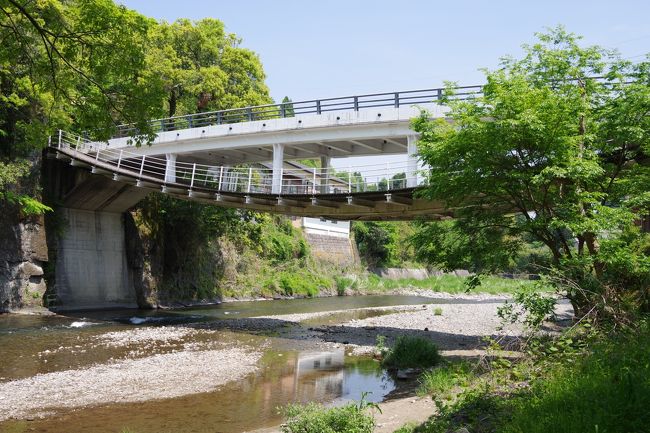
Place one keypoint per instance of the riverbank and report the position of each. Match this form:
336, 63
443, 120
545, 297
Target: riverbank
139, 363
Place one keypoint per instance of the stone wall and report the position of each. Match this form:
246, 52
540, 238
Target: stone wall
333, 249
23, 253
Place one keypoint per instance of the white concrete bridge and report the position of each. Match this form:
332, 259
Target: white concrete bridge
254, 157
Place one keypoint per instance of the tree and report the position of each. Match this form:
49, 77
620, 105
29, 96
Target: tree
555, 149
287, 105
67, 64
203, 68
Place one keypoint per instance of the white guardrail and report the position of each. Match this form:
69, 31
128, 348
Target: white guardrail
256, 178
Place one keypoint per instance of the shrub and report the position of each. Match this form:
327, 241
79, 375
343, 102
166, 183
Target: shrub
412, 352
297, 284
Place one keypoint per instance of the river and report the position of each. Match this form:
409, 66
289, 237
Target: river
289, 368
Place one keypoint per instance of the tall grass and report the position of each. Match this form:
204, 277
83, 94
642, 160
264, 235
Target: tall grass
411, 352
450, 284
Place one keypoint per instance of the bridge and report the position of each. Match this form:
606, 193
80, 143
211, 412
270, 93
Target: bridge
253, 157
258, 158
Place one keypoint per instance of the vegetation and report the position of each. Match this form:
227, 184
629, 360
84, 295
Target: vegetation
383, 244
583, 382
450, 284
315, 418
550, 153
411, 352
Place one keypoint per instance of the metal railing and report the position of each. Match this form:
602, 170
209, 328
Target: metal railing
291, 109
246, 179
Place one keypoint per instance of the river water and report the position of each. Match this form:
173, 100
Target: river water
289, 371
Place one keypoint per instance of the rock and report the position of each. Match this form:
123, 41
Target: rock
29, 269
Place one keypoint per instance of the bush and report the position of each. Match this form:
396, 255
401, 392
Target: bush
314, 418
293, 284
412, 352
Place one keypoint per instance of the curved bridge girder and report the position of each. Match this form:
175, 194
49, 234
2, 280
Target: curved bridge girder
399, 204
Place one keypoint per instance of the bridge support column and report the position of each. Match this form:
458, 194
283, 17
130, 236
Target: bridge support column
325, 162
412, 161
170, 167
278, 162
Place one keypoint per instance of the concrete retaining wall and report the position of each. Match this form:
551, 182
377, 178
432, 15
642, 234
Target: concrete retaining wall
91, 266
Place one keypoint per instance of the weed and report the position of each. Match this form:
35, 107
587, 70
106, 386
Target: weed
437, 311
441, 381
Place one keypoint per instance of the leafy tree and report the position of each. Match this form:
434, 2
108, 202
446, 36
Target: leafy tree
552, 152
203, 68
288, 107
67, 64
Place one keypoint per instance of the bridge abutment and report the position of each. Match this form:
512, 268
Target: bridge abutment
91, 265
86, 237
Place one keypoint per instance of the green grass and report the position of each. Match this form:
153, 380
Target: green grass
315, 418
411, 352
450, 284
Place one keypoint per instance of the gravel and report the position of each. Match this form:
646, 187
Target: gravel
155, 377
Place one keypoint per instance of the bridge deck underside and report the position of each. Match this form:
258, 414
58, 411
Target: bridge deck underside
398, 204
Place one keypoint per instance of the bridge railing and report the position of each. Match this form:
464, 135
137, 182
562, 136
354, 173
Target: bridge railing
291, 109
293, 179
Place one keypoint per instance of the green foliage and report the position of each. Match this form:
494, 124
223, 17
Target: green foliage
315, 418
411, 352
342, 283
607, 391
280, 241
383, 244
548, 155
203, 68
528, 306
439, 382
449, 284
437, 311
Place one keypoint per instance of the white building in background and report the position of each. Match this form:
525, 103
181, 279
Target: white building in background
321, 226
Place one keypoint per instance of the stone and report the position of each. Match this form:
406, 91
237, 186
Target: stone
30, 269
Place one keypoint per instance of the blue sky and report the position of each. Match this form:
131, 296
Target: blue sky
318, 49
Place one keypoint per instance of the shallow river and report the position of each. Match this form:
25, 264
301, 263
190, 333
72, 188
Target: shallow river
290, 371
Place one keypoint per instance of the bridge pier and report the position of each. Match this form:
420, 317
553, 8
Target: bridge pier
170, 167
412, 161
278, 162
325, 163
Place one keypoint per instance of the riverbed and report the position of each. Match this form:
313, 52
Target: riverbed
223, 368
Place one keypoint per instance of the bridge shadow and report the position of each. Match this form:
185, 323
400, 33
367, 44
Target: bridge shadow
355, 335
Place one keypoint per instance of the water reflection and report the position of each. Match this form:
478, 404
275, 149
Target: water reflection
249, 404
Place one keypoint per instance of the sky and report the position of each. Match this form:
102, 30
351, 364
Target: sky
330, 48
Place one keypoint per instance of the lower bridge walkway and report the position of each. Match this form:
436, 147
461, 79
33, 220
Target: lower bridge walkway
382, 191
